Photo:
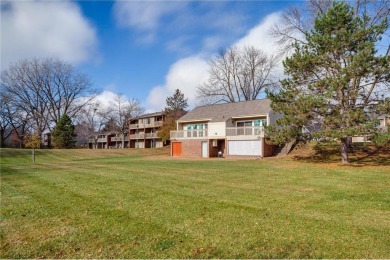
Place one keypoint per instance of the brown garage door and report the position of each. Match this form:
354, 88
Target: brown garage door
176, 149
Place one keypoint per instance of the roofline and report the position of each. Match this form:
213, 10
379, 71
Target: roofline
221, 104
250, 116
148, 115
195, 120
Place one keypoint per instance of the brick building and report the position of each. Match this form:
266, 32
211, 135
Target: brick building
231, 129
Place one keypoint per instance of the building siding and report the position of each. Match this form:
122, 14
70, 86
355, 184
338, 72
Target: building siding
192, 147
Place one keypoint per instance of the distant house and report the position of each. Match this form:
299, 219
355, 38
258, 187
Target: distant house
143, 131
231, 129
384, 122
108, 140
47, 140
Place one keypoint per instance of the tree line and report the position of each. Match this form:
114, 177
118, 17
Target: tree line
39, 94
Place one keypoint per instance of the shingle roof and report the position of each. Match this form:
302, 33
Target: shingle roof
223, 112
149, 115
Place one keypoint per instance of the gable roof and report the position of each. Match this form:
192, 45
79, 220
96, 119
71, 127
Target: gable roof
223, 112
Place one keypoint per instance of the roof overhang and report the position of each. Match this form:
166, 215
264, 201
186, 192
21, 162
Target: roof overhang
249, 116
194, 120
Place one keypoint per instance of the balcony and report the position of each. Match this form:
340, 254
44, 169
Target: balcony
137, 136
151, 135
202, 133
118, 139
245, 131
145, 125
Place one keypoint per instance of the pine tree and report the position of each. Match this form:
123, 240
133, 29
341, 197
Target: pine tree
333, 80
176, 104
176, 108
63, 135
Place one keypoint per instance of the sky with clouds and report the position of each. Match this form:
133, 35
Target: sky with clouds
142, 49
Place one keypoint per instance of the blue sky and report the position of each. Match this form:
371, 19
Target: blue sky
142, 49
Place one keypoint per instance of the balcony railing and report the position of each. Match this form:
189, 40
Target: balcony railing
145, 125
237, 131
119, 139
137, 136
189, 134
151, 135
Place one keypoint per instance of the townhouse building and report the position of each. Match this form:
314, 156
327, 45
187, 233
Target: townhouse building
231, 129
143, 131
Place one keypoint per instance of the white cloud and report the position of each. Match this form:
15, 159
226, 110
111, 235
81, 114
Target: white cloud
179, 45
45, 29
188, 73
105, 99
212, 42
185, 74
259, 37
144, 15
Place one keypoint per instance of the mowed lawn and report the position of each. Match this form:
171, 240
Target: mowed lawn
144, 204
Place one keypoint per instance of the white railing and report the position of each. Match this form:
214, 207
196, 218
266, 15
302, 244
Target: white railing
146, 125
248, 130
151, 135
119, 139
202, 133
137, 136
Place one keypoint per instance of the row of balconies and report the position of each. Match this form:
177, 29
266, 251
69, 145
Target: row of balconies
145, 125
143, 136
230, 131
133, 136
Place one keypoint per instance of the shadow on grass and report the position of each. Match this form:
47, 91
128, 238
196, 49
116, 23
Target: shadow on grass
10, 152
359, 155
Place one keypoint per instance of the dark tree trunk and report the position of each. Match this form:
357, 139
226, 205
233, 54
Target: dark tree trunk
344, 150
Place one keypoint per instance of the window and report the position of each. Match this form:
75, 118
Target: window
196, 130
244, 123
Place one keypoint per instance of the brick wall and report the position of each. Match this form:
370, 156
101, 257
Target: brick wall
192, 147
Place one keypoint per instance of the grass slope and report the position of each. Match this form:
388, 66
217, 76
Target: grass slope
143, 204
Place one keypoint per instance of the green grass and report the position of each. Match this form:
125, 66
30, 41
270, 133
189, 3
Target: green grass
144, 204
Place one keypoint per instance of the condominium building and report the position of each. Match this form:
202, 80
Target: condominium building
143, 131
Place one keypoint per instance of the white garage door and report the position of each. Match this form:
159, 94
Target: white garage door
247, 147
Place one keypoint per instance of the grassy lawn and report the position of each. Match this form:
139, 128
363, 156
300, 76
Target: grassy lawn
143, 204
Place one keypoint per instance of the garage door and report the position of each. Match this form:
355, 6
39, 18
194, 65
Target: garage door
247, 147
176, 149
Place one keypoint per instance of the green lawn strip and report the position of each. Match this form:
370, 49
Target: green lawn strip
198, 209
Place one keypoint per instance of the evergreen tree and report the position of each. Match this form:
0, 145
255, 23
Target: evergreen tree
176, 104
176, 108
335, 79
63, 135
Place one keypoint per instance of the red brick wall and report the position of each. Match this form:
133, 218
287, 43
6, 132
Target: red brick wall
192, 147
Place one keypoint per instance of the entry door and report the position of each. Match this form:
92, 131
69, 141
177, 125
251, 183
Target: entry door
176, 149
205, 152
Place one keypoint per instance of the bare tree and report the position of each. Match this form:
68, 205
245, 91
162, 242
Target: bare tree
66, 91
91, 121
42, 91
5, 121
124, 109
296, 22
238, 74
22, 86
13, 120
